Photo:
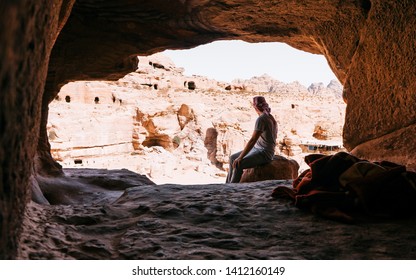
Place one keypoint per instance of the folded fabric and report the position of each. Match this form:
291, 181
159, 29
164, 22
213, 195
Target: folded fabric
341, 186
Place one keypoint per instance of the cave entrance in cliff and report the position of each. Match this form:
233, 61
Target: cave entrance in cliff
155, 151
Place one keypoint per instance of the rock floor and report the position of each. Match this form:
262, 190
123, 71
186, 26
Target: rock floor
115, 216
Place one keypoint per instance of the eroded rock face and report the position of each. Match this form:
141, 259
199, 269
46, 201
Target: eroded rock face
381, 81
28, 31
368, 44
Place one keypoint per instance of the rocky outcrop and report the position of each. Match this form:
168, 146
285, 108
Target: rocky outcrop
280, 168
368, 44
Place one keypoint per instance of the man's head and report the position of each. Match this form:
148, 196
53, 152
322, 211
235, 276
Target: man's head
259, 102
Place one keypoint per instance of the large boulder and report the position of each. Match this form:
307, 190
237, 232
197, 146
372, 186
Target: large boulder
280, 168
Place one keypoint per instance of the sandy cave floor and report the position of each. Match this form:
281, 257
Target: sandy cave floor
117, 214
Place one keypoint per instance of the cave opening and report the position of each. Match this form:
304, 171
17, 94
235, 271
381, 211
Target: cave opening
163, 141
193, 145
230, 60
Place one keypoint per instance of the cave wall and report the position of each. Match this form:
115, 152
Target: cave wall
28, 30
368, 44
380, 89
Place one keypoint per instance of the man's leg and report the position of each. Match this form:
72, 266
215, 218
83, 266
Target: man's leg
252, 159
230, 168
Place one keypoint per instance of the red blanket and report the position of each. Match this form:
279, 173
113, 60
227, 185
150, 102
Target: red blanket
341, 186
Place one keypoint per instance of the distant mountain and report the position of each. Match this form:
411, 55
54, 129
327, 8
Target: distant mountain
265, 83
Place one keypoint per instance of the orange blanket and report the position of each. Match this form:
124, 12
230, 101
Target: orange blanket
341, 186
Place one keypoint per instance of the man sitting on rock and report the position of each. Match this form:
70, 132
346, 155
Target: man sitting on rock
260, 148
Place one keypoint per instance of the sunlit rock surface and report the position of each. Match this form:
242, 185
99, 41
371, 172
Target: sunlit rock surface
151, 123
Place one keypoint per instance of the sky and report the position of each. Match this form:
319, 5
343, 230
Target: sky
228, 60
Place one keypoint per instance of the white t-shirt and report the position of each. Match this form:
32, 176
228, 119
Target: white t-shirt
267, 139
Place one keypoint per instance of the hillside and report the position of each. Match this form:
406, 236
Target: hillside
175, 128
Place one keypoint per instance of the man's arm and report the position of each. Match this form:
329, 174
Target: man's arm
254, 137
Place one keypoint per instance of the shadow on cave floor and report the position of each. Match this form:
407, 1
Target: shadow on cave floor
118, 214
88, 185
